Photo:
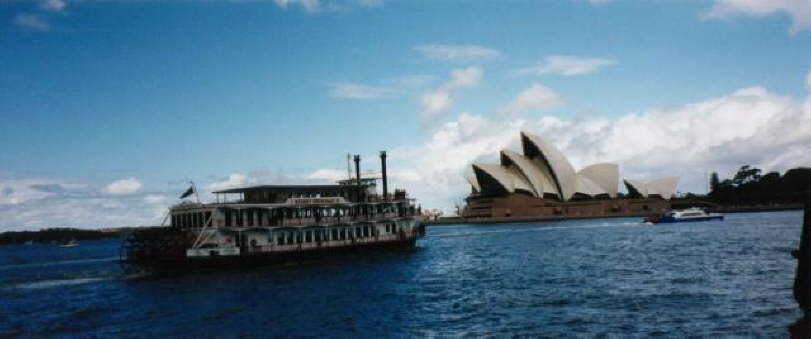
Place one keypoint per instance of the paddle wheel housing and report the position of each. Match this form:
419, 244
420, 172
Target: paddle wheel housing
155, 246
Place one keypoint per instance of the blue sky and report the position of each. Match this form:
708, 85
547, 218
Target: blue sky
154, 93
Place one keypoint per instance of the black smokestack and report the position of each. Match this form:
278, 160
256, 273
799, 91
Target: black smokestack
357, 168
385, 180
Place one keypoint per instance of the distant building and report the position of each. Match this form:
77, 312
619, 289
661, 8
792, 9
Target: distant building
541, 182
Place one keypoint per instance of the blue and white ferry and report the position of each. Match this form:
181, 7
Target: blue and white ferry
685, 215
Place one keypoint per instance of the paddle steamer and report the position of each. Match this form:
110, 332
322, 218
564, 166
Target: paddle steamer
263, 225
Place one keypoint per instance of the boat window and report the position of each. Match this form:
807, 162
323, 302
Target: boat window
308, 236
298, 237
208, 217
280, 239
334, 234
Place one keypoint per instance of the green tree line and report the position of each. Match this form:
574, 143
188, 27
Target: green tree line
57, 235
750, 186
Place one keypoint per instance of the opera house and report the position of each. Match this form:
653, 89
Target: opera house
542, 183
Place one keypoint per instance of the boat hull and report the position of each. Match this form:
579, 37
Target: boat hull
668, 220
169, 265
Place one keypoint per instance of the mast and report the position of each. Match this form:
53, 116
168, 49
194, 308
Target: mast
348, 166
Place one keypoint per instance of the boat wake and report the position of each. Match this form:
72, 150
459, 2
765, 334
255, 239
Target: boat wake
534, 229
57, 263
35, 285
53, 283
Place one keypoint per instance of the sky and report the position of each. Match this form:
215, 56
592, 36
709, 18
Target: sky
108, 108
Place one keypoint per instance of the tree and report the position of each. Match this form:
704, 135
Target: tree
715, 183
745, 175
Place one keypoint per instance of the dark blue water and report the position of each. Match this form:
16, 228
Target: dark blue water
611, 277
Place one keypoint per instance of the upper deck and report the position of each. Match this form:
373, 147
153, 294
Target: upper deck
293, 205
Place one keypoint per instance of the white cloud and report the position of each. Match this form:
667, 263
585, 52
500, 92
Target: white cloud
464, 78
567, 65
536, 97
308, 5
154, 199
312, 6
32, 22
798, 10
18, 191
327, 174
457, 52
439, 100
389, 88
370, 3
233, 180
749, 126
435, 102
348, 90
124, 186
53, 5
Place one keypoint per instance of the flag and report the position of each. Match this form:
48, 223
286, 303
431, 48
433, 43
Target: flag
188, 192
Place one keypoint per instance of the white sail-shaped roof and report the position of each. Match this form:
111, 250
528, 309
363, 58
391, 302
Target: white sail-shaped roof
492, 178
534, 171
664, 187
638, 186
519, 181
495, 178
562, 171
588, 187
604, 175
542, 171
474, 184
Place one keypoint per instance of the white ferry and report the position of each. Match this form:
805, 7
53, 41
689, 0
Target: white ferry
276, 223
690, 214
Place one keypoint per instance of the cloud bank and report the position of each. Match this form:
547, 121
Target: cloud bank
439, 100
748, 126
798, 10
457, 52
566, 65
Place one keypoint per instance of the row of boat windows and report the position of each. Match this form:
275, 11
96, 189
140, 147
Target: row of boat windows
260, 217
241, 218
360, 232
190, 220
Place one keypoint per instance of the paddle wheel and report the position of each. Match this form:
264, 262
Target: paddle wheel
153, 248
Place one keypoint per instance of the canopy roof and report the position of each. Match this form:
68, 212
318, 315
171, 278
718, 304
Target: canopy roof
289, 188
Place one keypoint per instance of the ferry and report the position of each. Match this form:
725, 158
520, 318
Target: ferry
685, 215
271, 224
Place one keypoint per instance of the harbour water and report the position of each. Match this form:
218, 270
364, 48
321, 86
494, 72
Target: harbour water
572, 278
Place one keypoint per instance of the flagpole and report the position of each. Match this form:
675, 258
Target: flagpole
195, 191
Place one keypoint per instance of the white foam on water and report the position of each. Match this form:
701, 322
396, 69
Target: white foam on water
57, 283
56, 263
535, 229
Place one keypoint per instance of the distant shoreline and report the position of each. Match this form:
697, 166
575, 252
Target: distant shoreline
59, 235
496, 220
